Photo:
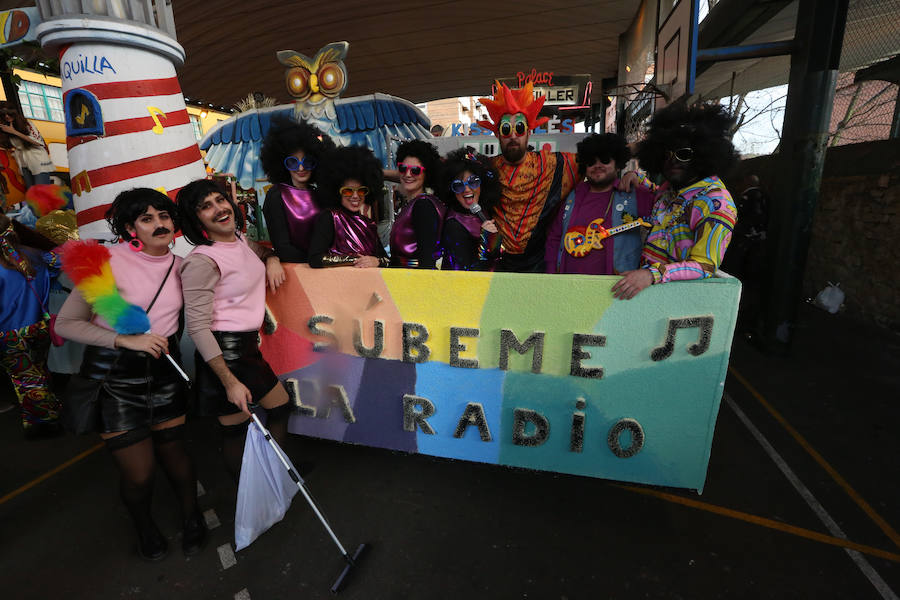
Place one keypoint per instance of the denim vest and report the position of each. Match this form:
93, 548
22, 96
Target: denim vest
626, 245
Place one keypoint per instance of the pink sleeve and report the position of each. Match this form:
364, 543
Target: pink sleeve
199, 276
74, 323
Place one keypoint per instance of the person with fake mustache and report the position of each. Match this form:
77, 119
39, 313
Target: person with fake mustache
143, 397
224, 279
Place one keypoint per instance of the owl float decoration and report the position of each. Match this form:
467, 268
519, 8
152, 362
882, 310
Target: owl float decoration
378, 121
316, 82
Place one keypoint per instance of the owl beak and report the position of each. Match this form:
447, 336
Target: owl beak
314, 83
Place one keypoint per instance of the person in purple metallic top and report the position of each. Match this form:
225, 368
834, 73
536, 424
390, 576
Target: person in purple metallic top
416, 234
344, 234
290, 156
469, 185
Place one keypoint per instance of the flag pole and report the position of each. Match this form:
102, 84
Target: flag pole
351, 560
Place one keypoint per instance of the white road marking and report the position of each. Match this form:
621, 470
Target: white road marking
874, 578
226, 556
211, 518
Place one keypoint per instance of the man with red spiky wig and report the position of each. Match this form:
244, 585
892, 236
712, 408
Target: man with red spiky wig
533, 183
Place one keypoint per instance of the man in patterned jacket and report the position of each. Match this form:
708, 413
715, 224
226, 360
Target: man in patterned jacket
694, 215
532, 183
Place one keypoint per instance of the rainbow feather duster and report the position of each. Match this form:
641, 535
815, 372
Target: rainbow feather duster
44, 198
87, 263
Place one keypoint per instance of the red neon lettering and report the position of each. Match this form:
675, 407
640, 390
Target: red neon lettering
535, 77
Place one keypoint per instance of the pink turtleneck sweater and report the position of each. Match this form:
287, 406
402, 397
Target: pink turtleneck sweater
224, 290
138, 276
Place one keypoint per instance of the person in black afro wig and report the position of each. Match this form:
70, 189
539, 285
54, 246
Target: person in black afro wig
344, 233
467, 243
694, 217
289, 141
465, 159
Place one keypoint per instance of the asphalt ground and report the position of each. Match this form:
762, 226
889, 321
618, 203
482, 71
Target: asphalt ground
801, 501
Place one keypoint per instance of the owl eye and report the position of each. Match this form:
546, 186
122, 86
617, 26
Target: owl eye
331, 79
297, 80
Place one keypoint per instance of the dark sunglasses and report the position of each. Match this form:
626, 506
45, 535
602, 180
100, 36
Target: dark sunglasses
458, 186
415, 171
506, 129
347, 191
684, 155
292, 163
603, 159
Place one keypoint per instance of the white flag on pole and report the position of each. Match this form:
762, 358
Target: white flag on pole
265, 490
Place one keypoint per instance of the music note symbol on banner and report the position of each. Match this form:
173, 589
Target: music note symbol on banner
158, 128
705, 325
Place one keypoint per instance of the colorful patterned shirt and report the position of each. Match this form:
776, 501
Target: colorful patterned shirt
531, 192
691, 231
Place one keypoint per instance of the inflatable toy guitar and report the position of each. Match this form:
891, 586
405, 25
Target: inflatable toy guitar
581, 240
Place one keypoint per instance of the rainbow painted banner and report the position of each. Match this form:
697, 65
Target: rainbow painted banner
545, 372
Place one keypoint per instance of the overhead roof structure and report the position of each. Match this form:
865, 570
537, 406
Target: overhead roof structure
417, 50
872, 33
432, 49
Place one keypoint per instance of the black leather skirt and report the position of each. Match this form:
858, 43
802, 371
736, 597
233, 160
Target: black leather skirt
243, 358
139, 390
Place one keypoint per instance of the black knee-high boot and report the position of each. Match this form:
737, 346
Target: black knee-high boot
233, 439
133, 453
179, 468
277, 422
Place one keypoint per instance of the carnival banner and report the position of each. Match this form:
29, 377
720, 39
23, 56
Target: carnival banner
545, 372
18, 25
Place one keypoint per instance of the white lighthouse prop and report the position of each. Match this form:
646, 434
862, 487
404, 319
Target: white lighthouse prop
126, 121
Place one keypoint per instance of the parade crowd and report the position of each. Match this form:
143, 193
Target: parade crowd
583, 213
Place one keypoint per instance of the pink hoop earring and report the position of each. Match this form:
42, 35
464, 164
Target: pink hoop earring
136, 244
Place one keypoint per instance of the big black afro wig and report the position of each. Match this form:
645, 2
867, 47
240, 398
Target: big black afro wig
349, 162
427, 155
462, 160
705, 128
287, 136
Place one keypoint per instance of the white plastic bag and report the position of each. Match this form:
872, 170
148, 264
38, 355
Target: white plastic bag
264, 492
831, 297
